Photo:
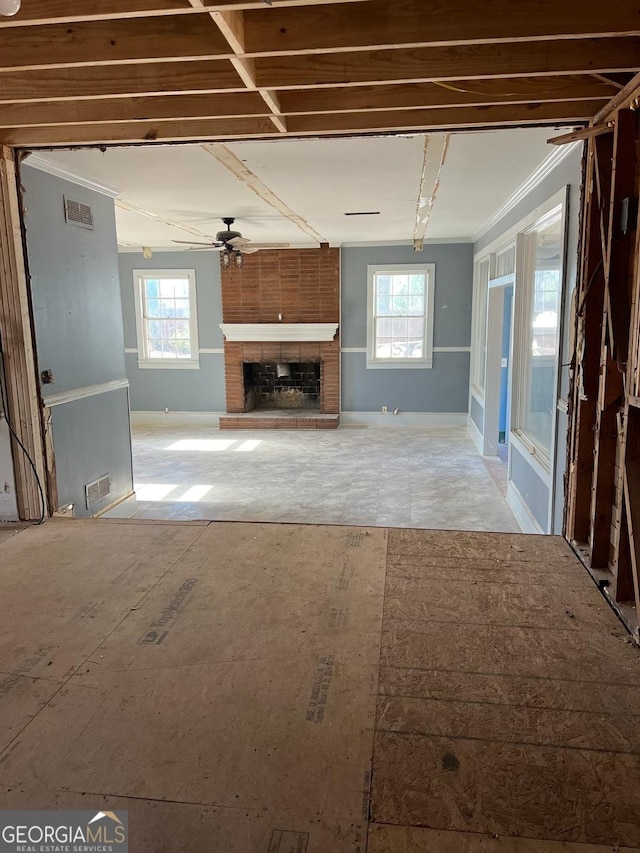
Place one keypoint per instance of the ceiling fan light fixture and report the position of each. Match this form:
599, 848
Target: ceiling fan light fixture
9, 8
239, 260
226, 260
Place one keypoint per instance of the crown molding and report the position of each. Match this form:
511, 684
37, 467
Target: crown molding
551, 161
37, 161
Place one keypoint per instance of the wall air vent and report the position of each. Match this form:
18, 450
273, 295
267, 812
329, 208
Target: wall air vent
97, 490
77, 213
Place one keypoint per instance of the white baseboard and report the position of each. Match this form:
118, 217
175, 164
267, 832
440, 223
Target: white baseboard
176, 419
521, 511
404, 419
474, 432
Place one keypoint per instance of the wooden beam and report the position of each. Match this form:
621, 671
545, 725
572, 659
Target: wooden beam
405, 22
581, 135
233, 128
231, 25
622, 99
248, 103
115, 110
467, 62
132, 132
461, 93
111, 42
20, 366
585, 362
503, 115
90, 83
39, 12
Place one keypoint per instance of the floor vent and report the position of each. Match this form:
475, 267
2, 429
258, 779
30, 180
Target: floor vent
97, 490
77, 213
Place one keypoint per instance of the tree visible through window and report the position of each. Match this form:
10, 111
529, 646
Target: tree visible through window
166, 316
400, 313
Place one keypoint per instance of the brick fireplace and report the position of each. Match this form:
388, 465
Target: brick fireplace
295, 289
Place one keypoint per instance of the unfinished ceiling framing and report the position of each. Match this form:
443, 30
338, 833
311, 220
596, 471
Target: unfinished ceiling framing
169, 70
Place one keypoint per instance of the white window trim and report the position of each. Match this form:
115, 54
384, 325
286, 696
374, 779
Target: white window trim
478, 316
163, 363
401, 363
523, 294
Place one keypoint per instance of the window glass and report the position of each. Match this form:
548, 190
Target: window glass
543, 271
400, 309
167, 324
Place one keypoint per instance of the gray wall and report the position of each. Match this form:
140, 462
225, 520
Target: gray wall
78, 326
445, 387
567, 173
179, 390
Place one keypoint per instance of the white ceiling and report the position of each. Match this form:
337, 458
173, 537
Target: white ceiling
318, 179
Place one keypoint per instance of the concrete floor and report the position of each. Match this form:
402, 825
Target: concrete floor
265, 688
403, 477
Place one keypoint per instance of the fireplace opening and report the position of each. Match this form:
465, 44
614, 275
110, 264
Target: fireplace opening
285, 385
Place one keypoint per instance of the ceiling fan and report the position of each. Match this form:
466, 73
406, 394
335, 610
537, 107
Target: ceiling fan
231, 242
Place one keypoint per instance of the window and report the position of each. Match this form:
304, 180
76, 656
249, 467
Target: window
166, 318
400, 327
543, 251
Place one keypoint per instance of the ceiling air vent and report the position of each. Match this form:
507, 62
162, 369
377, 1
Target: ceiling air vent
97, 490
77, 213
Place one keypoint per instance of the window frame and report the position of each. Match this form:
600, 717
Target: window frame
144, 361
426, 362
525, 285
480, 314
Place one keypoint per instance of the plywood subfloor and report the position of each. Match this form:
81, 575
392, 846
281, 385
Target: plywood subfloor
508, 698
235, 686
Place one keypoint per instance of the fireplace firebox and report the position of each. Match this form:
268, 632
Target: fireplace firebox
282, 385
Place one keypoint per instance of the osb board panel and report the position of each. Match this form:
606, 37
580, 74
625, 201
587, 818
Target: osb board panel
414, 602
68, 584
436, 544
507, 695
241, 688
404, 839
507, 788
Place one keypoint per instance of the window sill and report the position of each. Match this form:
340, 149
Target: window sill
169, 365
540, 455
400, 364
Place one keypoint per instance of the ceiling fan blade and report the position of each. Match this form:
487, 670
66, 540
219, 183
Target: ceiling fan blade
249, 250
206, 249
213, 244
270, 245
238, 241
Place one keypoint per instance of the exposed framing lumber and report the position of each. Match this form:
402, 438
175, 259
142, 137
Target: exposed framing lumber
232, 26
22, 391
39, 12
248, 103
581, 135
503, 115
377, 23
447, 63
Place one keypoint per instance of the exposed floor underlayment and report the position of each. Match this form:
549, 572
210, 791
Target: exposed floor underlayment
265, 688
377, 476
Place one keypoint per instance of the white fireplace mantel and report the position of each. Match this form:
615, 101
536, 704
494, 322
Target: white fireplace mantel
279, 332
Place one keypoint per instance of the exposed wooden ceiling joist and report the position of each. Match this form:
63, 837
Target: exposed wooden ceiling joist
506, 115
137, 70
357, 99
405, 22
468, 62
38, 12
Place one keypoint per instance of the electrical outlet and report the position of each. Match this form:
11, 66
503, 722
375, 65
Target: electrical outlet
384, 410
